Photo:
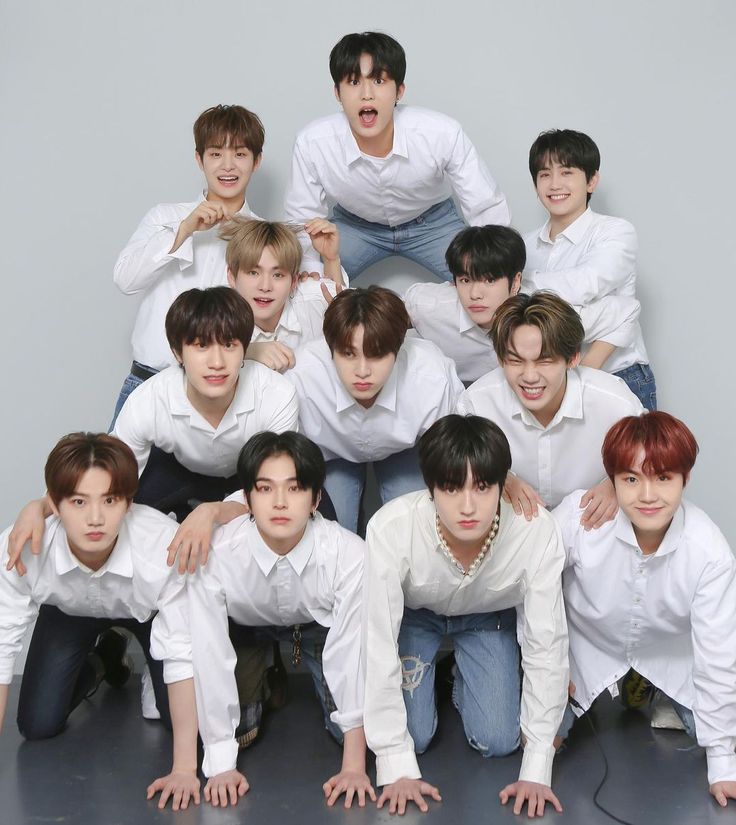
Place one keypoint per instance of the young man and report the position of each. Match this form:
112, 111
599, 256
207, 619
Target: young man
101, 565
554, 412
283, 573
366, 395
388, 171
583, 256
263, 265
655, 591
455, 560
176, 246
486, 263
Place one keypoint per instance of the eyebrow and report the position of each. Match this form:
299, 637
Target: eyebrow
262, 478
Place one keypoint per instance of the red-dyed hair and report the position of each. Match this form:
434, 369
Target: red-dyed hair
669, 446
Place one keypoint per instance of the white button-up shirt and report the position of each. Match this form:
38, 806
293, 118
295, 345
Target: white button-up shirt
158, 413
431, 158
407, 568
320, 580
594, 257
129, 585
423, 386
670, 615
302, 316
566, 454
146, 265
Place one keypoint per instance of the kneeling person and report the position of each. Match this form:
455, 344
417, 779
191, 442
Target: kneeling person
455, 560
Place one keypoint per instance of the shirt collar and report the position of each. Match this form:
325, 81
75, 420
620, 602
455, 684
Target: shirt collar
670, 542
119, 563
266, 559
243, 402
244, 210
571, 406
352, 150
574, 233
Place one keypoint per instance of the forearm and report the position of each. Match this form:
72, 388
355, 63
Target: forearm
4, 703
225, 511
182, 234
183, 709
333, 270
597, 355
353, 750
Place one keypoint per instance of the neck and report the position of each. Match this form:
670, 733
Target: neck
378, 146
282, 547
232, 205
649, 541
557, 225
464, 551
546, 415
96, 563
211, 409
273, 322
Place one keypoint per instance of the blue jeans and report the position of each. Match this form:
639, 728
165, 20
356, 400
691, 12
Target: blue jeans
640, 380
396, 474
423, 240
130, 383
58, 675
487, 686
313, 637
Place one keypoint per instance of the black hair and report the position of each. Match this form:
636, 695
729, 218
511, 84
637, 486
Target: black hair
306, 455
217, 313
388, 56
456, 440
568, 148
486, 253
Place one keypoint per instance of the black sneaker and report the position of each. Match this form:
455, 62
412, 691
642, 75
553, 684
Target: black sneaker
636, 691
444, 677
111, 647
277, 681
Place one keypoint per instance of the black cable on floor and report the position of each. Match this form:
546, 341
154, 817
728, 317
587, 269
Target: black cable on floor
597, 804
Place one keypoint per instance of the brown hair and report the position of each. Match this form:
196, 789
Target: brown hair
205, 315
76, 453
233, 126
561, 327
379, 311
246, 240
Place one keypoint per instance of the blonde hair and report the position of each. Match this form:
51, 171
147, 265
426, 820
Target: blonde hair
247, 238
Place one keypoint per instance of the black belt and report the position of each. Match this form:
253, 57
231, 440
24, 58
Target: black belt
141, 371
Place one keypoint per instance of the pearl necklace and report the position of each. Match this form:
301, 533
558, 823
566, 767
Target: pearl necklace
473, 569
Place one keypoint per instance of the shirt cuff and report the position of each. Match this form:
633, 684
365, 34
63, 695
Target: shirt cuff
536, 764
220, 757
184, 255
721, 766
348, 720
393, 766
175, 671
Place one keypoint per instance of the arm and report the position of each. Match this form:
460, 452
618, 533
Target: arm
325, 240
597, 355
613, 319
3, 703
134, 425
480, 199
283, 413
607, 265
29, 526
182, 783
600, 505
713, 623
192, 539
546, 674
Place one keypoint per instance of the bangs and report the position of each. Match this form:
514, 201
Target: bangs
455, 472
380, 66
246, 240
220, 330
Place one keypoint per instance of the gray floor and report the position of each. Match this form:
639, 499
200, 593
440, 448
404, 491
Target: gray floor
98, 769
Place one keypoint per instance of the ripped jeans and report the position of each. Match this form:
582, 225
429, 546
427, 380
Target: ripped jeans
486, 689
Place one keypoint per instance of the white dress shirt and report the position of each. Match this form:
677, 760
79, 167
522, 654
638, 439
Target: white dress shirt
423, 386
670, 615
158, 413
146, 265
431, 158
320, 580
407, 567
302, 317
129, 585
594, 257
566, 454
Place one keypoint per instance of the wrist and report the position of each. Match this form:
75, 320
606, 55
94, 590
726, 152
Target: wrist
328, 260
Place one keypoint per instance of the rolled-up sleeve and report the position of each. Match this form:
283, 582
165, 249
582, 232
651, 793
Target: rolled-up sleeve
17, 612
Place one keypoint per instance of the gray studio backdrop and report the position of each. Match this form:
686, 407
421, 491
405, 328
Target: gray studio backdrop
97, 103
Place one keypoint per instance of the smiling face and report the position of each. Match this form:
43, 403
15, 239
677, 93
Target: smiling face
212, 372
466, 514
538, 379
563, 191
281, 509
368, 103
361, 376
649, 501
227, 171
266, 288
92, 518
481, 299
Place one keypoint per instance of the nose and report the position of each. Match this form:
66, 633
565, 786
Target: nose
476, 290
467, 502
228, 159
280, 502
362, 367
529, 372
366, 88
265, 283
647, 492
95, 517
216, 360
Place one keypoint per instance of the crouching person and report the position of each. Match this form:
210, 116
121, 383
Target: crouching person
454, 560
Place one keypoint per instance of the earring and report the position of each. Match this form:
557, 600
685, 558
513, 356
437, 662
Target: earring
311, 515
251, 517
242, 363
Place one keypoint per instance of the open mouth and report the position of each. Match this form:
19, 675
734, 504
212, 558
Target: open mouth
558, 197
263, 303
531, 393
228, 180
368, 116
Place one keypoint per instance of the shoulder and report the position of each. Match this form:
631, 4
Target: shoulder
421, 296
419, 118
422, 354
320, 128
259, 377
532, 237
488, 384
609, 390
701, 531
608, 226
312, 355
329, 534
165, 212
400, 513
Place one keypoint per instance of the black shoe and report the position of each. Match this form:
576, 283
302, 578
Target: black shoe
636, 691
277, 681
444, 677
111, 647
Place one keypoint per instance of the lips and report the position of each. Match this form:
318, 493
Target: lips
368, 116
469, 524
228, 180
649, 511
557, 197
280, 520
362, 386
215, 379
263, 302
95, 535
477, 308
531, 393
